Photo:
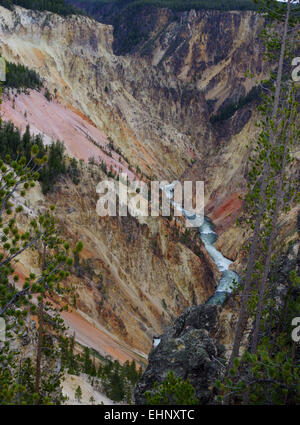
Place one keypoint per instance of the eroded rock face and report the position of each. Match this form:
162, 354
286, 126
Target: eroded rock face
190, 349
149, 114
196, 345
209, 49
134, 278
139, 276
155, 105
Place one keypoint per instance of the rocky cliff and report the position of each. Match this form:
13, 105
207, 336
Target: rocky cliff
200, 339
112, 91
141, 273
155, 105
190, 349
134, 277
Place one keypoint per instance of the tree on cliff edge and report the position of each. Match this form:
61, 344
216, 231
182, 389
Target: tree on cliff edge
265, 170
269, 373
24, 381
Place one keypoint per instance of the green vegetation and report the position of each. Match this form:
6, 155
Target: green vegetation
268, 372
55, 166
30, 378
113, 378
117, 381
14, 144
127, 19
56, 6
271, 374
47, 95
36, 380
172, 391
73, 171
21, 77
113, 148
78, 394
179, 5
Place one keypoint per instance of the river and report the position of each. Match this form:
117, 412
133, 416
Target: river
229, 278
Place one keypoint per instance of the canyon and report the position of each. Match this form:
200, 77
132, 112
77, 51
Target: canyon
155, 103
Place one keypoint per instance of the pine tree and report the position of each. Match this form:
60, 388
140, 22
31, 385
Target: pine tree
267, 373
78, 394
41, 235
271, 374
172, 391
264, 169
87, 362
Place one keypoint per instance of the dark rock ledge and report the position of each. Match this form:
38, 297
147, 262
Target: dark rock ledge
189, 348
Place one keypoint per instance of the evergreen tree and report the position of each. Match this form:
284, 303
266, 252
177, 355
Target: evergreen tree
21, 77
87, 362
55, 162
57, 6
265, 169
271, 374
172, 391
18, 376
268, 373
116, 383
78, 394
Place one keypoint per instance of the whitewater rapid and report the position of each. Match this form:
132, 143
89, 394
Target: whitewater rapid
229, 278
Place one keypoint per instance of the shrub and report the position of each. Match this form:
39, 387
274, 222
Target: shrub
172, 391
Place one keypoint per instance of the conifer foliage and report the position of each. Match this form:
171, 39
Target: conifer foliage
173, 390
269, 371
39, 295
21, 77
55, 6
116, 380
92, 5
30, 378
56, 163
